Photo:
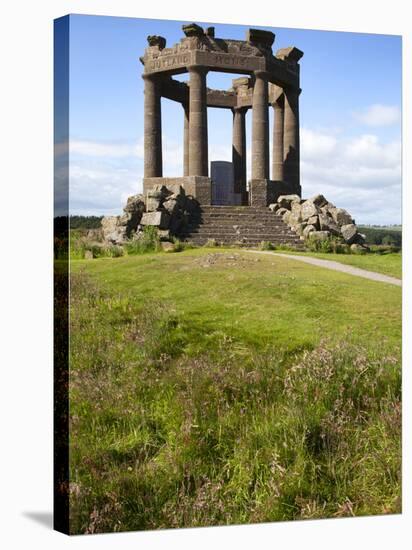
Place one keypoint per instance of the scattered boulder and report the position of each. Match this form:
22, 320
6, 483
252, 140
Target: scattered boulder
285, 201
308, 230
299, 228
319, 201
134, 204
160, 219
118, 229
314, 220
113, 232
286, 216
308, 210
156, 196
88, 255
95, 235
349, 232
327, 224
317, 218
341, 216
109, 224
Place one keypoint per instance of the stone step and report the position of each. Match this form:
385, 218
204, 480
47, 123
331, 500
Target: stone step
240, 219
237, 220
246, 226
252, 234
237, 225
263, 235
246, 243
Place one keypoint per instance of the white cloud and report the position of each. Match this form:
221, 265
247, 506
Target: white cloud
367, 150
360, 174
101, 190
379, 115
315, 144
101, 149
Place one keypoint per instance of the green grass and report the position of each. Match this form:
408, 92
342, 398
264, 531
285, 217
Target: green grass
388, 264
215, 387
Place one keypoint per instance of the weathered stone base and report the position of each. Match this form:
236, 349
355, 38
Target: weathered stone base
265, 192
199, 187
258, 192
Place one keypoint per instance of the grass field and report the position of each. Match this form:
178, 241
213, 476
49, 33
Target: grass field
215, 387
388, 264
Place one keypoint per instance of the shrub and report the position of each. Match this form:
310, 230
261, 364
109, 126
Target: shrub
333, 245
266, 245
178, 246
148, 242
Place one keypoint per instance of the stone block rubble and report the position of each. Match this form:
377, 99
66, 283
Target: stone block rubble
166, 208
318, 219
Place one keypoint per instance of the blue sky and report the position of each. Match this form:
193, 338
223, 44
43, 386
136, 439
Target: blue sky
349, 107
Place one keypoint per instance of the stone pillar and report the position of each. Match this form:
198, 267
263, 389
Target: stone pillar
260, 128
239, 149
198, 146
277, 142
186, 140
152, 127
291, 147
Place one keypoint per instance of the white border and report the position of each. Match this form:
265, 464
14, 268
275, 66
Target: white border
26, 271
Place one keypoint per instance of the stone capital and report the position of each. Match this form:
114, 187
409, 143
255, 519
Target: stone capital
264, 75
197, 69
238, 109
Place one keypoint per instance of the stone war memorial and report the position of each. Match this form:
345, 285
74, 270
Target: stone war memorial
270, 81
221, 204
226, 352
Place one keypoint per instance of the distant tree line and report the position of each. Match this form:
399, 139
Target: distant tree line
388, 237
85, 222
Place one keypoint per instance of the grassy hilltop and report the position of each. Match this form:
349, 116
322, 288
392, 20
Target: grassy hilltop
214, 386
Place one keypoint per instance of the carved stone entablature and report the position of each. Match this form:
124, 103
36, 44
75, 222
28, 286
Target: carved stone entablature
200, 47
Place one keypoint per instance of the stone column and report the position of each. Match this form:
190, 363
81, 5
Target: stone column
198, 146
260, 128
152, 127
186, 140
239, 149
277, 142
291, 147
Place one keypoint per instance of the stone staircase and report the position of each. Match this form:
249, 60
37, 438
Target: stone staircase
240, 225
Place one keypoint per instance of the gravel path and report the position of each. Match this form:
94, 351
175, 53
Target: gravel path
329, 264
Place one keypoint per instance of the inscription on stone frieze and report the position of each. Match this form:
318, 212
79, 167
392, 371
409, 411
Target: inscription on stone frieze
235, 60
229, 61
168, 62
